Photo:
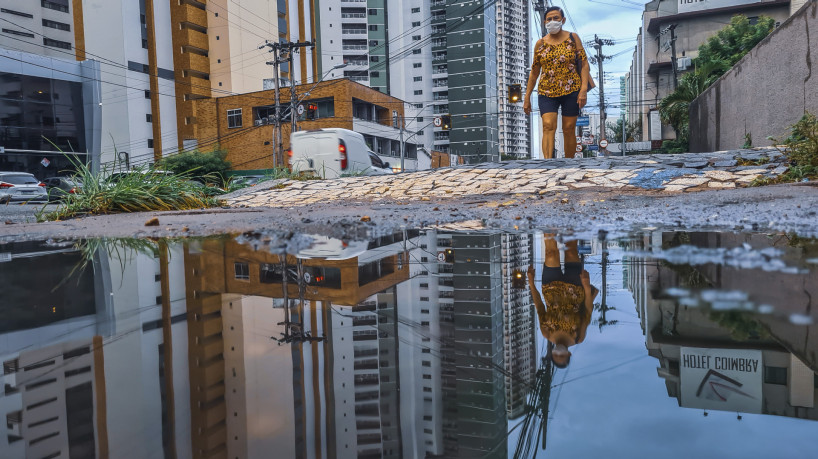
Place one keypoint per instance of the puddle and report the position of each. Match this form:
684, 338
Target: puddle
421, 343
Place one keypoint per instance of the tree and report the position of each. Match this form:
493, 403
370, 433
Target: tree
632, 131
716, 56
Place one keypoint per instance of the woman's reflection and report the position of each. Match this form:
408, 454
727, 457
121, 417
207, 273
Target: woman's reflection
567, 300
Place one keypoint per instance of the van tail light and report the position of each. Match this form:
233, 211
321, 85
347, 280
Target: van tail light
290, 152
41, 184
5, 185
342, 149
72, 191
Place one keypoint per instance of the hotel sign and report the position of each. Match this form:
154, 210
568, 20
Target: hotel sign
721, 379
686, 6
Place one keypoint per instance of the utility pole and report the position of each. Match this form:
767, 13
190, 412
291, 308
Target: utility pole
672, 29
598, 44
293, 48
402, 122
278, 144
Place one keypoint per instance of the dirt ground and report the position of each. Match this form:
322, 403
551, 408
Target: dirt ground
781, 208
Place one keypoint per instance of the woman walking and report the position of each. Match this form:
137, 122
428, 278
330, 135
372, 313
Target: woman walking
561, 65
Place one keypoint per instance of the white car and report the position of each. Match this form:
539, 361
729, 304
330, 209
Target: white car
21, 186
333, 152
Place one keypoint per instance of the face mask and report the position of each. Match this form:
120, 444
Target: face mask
553, 27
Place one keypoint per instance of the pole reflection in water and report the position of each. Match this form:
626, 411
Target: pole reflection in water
415, 344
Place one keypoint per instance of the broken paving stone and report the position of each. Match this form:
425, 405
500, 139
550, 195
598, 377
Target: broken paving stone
366, 218
153, 221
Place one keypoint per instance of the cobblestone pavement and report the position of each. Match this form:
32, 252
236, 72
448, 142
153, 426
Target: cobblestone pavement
664, 173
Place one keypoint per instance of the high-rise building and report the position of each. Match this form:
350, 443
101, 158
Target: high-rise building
513, 61
155, 59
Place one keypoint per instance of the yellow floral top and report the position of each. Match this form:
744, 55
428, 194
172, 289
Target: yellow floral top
565, 309
559, 73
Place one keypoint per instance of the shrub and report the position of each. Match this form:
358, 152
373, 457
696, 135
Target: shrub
204, 167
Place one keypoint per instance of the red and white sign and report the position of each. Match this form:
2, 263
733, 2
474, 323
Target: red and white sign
45, 162
603, 143
438, 122
579, 148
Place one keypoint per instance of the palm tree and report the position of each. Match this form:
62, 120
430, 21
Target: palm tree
675, 108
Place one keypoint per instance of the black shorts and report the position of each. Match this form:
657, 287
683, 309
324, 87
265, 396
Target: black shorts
573, 271
568, 102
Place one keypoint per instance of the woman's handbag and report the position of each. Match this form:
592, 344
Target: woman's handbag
578, 65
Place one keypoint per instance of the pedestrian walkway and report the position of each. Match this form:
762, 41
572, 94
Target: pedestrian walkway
663, 173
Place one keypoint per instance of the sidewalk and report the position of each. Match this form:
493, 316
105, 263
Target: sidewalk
687, 172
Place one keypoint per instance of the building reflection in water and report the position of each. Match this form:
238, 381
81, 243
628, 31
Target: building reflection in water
726, 338
415, 344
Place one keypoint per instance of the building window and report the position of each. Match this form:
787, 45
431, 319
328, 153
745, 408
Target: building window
416, 10
148, 117
418, 92
375, 74
420, 132
373, 27
415, 23
373, 12
54, 6
416, 37
18, 33
417, 65
374, 58
144, 43
416, 51
775, 375
56, 43
150, 143
234, 118
241, 271
373, 42
417, 78
147, 94
56, 25
16, 13
420, 119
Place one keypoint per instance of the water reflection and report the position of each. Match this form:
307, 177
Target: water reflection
415, 344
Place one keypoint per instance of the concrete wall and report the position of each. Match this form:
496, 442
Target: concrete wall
765, 93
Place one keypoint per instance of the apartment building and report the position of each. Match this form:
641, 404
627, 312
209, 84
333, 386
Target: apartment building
651, 71
513, 61
155, 59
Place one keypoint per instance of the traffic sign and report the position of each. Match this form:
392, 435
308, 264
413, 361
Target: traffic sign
603, 143
300, 109
579, 139
579, 148
438, 122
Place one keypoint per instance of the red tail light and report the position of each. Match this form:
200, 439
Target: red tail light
342, 149
41, 184
72, 190
5, 185
290, 152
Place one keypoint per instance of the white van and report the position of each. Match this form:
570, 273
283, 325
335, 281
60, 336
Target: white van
333, 152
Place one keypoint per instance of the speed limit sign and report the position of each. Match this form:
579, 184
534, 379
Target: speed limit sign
603, 143
438, 122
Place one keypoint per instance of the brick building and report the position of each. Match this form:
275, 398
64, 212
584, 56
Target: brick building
243, 124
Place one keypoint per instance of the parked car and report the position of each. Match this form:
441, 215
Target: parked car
21, 186
330, 153
58, 187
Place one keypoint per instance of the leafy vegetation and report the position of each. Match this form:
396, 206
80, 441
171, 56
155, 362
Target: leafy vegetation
741, 324
716, 56
142, 189
209, 167
632, 131
801, 151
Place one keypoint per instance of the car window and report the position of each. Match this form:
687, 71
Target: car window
376, 161
19, 179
